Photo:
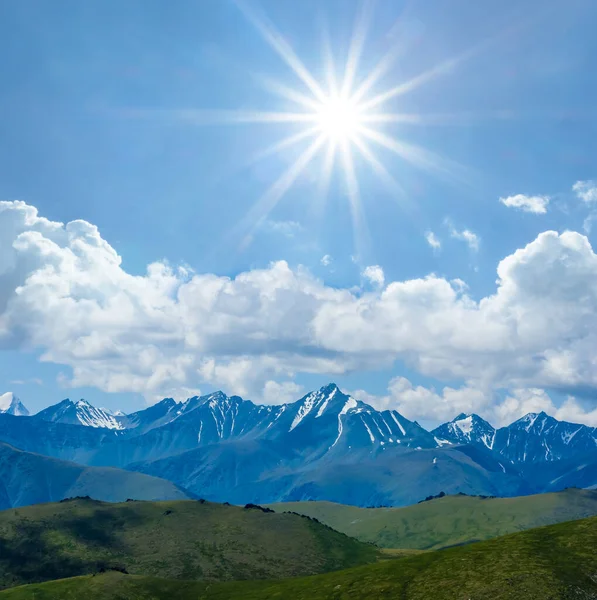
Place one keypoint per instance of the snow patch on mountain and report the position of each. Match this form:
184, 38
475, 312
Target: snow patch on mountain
350, 404
393, 415
368, 430
465, 425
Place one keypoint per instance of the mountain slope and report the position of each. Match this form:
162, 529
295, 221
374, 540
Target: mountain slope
252, 471
11, 405
556, 562
58, 440
27, 478
185, 540
159, 414
450, 520
79, 413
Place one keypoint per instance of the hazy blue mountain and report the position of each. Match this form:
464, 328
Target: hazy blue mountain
466, 429
68, 442
27, 478
11, 405
578, 471
153, 416
251, 471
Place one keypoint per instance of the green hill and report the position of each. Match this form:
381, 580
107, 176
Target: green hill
450, 520
177, 539
557, 562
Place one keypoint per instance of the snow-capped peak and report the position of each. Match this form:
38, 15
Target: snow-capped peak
113, 413
11, 405
79, 412
466, 429
315, 401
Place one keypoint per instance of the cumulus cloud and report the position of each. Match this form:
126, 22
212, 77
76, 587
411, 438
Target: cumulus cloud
423, 403
586, 191
438, 406
433, 240
520, 402
326, 260
374, 274
278, 393
63, 291
531, 204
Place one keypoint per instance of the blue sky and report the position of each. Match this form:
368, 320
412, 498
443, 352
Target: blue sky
102, 121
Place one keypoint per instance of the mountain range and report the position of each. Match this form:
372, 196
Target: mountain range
327, 445
536, 437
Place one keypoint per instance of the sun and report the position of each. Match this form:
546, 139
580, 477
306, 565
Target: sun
339, 119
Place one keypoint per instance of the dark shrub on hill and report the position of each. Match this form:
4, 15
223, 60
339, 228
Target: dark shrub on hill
257, 507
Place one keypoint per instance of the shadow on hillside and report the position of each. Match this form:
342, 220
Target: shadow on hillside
35, 553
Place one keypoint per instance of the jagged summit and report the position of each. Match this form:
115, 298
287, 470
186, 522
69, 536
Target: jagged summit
466, 429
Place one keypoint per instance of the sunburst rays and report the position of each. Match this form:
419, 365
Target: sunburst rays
338, 117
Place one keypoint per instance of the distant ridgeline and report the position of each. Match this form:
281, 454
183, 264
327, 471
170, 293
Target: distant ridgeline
442, 494
327, 445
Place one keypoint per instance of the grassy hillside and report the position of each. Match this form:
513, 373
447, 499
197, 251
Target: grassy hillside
179, 539
108, 586
28, 478
450, 520
557, 562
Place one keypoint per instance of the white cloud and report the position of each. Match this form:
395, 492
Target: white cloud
587, 224
433, 240
423, 403
374, 274
35, 381
520, 402
586, 191
278, 393
286, 228
465, 235
326, 260
531, 204
63, 290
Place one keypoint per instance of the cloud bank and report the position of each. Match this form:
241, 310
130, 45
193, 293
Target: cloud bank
63, 290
